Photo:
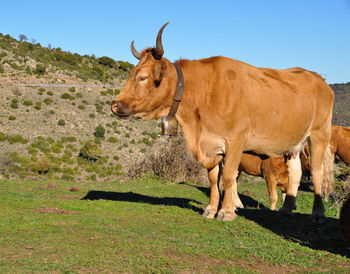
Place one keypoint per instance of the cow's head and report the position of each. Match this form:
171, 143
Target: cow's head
147, 93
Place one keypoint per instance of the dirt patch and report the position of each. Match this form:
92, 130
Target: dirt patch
55, 210
74, 189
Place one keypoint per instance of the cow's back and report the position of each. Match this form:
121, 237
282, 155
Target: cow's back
280, 107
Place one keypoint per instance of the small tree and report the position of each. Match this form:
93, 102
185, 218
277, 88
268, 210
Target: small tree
22, 38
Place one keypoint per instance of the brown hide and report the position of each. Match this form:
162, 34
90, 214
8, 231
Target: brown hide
340, 142
229, 107
272, 169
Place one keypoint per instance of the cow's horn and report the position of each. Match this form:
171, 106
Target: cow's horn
135, 52
158, 53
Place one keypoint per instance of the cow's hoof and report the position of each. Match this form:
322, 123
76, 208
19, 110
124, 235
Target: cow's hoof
318, 217
285, 211
238, 204
208, 213
226, 216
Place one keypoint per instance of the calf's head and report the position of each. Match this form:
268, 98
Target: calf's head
147, 93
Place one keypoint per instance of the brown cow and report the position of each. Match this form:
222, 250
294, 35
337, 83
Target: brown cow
229, 107
272, 169
340, 143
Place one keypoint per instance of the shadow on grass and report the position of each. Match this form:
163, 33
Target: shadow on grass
299, 228
139, 198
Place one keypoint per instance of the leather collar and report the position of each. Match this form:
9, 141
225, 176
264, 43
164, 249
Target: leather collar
179, 91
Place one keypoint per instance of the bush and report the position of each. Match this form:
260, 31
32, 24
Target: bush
27, 103
72, 89
50, 93
112, 140
37, 105
106, 61
40, 69
12, 118
42, 165
61, 122
14, 104
90, 152
48, 101
67, 96
172, 163
99, 132
82, 107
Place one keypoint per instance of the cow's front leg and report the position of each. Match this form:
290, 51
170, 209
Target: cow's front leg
229, 175
214, 178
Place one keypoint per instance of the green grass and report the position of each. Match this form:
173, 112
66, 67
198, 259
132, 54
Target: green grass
151, 226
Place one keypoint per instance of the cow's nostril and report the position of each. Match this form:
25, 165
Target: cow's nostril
115, 106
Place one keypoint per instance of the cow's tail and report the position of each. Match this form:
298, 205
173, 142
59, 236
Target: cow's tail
328, 175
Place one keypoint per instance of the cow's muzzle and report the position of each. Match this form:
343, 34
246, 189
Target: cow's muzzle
120, 109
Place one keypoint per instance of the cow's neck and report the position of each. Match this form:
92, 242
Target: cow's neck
187, 114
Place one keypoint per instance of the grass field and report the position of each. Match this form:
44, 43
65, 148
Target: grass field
147, 225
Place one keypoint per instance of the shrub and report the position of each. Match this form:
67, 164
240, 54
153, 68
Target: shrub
61, 122
90, 152
72, 89
171, 163
37, 105
48, 101
14, 104
52, 112
112, 140
69, 139
56, 148
40, 69
67, 96
106, 61
2, 137
27, 103
42, 165
50, 93
79, 95
91, 115
12, 118
99, 131
82, 107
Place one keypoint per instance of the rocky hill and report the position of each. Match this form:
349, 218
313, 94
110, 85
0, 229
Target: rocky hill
65, 130
341, 110
61, 126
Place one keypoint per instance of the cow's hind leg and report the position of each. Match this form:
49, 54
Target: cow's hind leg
294, 176
318, 145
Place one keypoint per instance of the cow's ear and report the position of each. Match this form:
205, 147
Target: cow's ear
159, 70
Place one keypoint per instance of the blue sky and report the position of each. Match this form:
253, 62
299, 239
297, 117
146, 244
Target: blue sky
313, 34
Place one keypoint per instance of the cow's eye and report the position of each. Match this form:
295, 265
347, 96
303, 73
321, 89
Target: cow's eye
141, 78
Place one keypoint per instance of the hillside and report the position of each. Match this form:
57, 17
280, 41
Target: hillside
341, 110
66, 132
27, 62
